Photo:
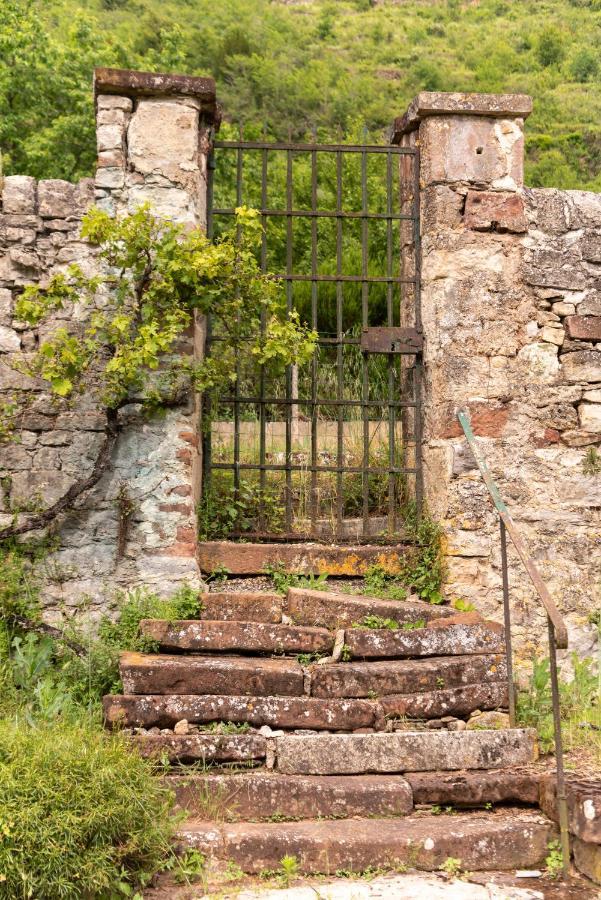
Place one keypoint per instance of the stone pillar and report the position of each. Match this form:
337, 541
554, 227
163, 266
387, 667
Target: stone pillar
472, 216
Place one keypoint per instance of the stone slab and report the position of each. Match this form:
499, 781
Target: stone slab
179, 748
516, 840
587, 858
448, 637
584, 806
337, 610
278, 712
260, 795
459, 701
495, 211
242, 607
255, 559
447, 103
472, 789
152, 674
583, 328
404, 751
363, 679
128, 83
248, 637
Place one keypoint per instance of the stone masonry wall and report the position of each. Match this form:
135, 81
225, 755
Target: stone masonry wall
511, 305
150, 148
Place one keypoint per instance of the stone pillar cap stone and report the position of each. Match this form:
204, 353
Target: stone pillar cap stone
439, 103
128, 83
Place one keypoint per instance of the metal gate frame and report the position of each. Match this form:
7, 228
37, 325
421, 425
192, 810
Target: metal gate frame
390, 339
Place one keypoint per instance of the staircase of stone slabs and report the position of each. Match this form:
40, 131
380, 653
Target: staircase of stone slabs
339, 758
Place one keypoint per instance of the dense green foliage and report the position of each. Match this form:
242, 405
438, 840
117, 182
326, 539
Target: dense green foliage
80, 814
321, 64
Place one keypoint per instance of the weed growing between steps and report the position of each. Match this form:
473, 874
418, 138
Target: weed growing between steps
580, 701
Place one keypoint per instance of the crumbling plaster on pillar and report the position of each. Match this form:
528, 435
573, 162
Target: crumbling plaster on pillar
150, 149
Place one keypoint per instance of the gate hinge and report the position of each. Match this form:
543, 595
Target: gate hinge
392, 340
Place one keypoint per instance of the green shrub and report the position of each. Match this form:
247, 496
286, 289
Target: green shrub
81, 815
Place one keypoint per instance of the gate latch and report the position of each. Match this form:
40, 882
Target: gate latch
392, 340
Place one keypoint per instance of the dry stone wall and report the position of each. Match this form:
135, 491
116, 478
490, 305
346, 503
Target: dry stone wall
151, 148
512, 319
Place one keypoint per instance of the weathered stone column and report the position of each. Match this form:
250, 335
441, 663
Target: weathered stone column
471, 172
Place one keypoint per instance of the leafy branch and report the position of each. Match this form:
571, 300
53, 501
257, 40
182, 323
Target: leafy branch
122, 346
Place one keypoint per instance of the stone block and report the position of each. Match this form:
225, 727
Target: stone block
113, 101
584, 328
458, 701
248, 637
6, 306
474, 789
177, 748
561, 308
551, 334
163, 138
590, 247
278, 712
404, 751
56, 199
366, 679
244, 606
581, 365
488, 419
148, 674
590, 417
591, 305
109, 137
333, 610
554, 268
110, 178
495, 211
584, 806
587, 858
19, 195
253, 559
539, 361
10, 341
477, 150
441, 638
263, 795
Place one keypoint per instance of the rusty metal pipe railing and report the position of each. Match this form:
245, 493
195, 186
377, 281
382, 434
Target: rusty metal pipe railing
557, 631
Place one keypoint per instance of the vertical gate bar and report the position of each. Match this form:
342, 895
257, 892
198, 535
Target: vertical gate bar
339, 353
418, 370
507, 623
288, 512
562, 807
365, 323
314, 430
390, 359
262, 419
237, 381
206, 436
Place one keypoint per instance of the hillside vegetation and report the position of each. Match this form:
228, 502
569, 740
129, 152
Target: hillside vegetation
290, 67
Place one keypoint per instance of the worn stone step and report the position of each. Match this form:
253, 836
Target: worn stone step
457, 701
301, 558
515, 839
261, 795
147, 673
336, 610
467, 634
246, 637
404, 751
189, 748
366, 679
473, 789
243, 606
146, 711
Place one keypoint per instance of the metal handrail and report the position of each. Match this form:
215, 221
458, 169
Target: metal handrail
557, 631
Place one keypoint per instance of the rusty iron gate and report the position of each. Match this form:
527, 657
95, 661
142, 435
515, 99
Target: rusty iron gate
331, 451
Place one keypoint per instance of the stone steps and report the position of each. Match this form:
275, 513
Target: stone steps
329, 609
513, 839
261, 795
